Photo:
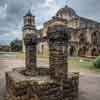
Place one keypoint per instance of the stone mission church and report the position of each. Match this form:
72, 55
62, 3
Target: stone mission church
84, 33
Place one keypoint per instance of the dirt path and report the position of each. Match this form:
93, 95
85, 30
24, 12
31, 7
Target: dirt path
89, 88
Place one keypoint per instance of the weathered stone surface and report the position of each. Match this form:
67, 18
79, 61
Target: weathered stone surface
30, 41
58, 44
20, 87
55, 83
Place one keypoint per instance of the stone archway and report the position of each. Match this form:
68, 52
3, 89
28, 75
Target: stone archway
94, 52
72, 50
82, 51
94, 38
95, 41
82, 39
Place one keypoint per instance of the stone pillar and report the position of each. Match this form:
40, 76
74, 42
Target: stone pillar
58, 44
30, 41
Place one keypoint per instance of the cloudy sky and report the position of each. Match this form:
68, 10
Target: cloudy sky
12, 12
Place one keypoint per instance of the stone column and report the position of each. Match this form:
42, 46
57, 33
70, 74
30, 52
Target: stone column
58, 44
30, 41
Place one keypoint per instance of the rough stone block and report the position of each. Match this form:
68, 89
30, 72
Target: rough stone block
21, 87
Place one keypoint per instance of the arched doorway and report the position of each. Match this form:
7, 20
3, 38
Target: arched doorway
82, 39
94, 38
72, 50
94, 52
82, 51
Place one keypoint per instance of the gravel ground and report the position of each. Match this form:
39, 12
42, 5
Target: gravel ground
88, 87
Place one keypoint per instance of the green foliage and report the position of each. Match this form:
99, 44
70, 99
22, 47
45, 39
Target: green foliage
16, 45
97, 62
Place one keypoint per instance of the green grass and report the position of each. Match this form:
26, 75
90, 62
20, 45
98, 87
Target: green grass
20, 55
88, 64
73, 62
43, 56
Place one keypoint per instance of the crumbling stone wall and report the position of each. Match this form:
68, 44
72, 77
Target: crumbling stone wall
54, 83
30, 89
58, 44
58, 37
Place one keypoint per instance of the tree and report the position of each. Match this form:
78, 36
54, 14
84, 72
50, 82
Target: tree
16, 45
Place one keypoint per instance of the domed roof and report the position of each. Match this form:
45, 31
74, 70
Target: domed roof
66, 11
28, 13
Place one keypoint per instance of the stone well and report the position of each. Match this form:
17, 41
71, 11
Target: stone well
53, 83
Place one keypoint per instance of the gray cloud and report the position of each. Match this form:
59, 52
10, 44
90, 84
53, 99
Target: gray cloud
11, 17
87, 8
12, 12
2, 2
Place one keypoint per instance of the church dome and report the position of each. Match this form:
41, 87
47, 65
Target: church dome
66, 12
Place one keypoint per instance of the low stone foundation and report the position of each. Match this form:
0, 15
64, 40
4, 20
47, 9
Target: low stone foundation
21, 87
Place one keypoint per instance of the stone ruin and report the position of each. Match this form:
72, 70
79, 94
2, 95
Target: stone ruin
53, 83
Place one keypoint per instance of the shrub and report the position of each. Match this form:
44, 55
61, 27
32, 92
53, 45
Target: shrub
97, 62
16, 45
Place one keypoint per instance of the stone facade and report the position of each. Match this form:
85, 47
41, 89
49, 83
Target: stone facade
53, 83
82, 29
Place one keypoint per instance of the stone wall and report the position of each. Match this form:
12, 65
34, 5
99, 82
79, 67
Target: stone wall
70, 86
58, 44
30, 41
54, 83
21, 88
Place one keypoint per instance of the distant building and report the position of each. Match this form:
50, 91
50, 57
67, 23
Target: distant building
5, 48
84, 33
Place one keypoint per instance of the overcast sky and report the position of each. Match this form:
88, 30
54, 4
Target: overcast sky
12, 12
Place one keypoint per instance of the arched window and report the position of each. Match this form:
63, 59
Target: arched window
72, 50
82, 39
94, 52
82, 51
94, 38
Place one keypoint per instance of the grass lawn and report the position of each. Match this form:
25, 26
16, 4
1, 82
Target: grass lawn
88, 64
82, 65
74, 63
20, 55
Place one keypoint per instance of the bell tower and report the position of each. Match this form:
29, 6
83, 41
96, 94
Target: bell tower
28, 25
